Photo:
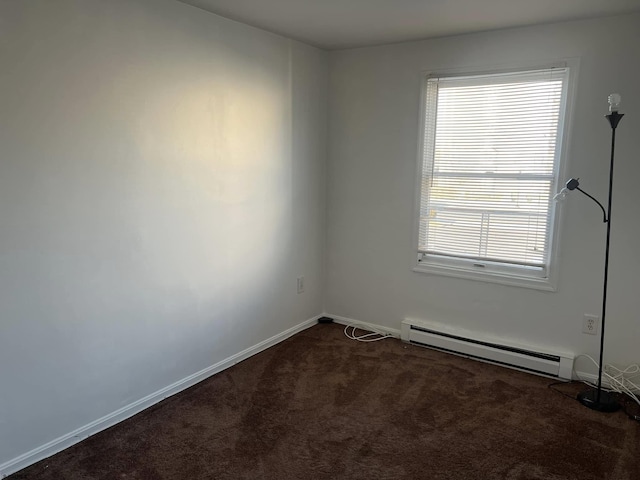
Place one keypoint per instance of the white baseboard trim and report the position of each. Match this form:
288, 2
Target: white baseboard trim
71, 438
372, 326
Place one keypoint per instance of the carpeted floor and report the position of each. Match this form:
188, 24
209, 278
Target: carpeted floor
320, 406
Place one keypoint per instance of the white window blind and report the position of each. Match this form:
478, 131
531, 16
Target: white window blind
491, 151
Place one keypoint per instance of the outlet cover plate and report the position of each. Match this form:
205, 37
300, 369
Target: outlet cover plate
590, 324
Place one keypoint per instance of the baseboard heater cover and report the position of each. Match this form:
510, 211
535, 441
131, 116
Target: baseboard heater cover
532, 360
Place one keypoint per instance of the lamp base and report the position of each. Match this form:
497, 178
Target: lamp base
605, 402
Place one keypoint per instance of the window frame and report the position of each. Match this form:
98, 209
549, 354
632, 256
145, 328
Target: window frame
495, 272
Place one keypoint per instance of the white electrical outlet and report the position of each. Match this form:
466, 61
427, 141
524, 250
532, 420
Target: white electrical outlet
300, 284
590, 324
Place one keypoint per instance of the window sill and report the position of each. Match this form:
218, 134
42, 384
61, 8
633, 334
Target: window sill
512, 280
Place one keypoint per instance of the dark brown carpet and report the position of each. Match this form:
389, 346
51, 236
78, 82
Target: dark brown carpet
320, 406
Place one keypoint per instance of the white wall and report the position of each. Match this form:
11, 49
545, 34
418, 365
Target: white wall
374, 111
161, 188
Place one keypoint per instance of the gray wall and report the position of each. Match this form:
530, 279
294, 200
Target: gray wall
161, 188
374, 113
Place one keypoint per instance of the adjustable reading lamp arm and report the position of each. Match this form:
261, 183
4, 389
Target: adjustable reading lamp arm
573, 184
604, 213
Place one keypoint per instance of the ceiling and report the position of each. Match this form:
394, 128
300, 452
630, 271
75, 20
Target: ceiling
334, 24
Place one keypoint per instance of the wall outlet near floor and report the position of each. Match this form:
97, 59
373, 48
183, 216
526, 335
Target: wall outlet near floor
590, 324
300, 284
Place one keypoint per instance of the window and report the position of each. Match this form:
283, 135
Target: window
490, 159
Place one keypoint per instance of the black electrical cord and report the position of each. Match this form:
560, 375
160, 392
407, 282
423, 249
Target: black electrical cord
552, 385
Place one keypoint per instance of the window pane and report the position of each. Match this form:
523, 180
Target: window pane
489, 161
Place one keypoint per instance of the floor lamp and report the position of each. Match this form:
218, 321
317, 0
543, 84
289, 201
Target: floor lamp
597, 398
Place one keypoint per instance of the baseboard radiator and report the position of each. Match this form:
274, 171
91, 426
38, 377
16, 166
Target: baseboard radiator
558, 365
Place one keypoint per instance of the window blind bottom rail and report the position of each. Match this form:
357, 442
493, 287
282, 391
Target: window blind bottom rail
539, 266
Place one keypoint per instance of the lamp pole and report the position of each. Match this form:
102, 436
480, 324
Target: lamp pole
599, 399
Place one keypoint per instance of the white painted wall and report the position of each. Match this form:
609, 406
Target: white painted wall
161, 188
374, 111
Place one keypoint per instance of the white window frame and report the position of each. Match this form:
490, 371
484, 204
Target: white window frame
487, 271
